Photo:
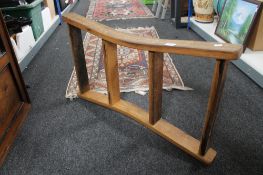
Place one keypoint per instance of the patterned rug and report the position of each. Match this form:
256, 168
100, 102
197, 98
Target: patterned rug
133, 67
117, 9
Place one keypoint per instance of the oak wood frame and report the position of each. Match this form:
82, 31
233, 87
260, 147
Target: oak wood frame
156, 47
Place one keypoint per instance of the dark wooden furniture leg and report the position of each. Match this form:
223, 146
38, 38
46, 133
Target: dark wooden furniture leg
178, 23
172, 9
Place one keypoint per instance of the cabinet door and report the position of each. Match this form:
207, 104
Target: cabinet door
14, 100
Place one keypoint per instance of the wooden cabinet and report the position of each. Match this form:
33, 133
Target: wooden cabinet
14, 100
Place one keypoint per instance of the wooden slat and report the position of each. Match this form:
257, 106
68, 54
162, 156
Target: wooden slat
171, 133
79, 58
213, 103
111, 71
155, 73
195, 48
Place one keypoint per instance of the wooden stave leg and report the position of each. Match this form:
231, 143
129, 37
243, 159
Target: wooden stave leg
155, 73
79, 58
111, 71
216, 91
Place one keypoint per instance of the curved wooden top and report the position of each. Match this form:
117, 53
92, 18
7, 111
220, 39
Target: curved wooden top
223, 51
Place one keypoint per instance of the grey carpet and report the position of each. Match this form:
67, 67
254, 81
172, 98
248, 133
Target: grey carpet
77, 137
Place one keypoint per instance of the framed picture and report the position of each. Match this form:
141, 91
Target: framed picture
237, 19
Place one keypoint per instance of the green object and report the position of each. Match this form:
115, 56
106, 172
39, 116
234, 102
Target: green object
32, 11
148, 2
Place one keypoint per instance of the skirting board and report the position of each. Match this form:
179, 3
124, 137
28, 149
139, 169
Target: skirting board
43, 39
256, 76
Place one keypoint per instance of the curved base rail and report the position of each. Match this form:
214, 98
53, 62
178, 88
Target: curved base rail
164, 129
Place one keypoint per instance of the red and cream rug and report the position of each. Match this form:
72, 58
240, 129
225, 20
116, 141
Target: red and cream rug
117, 9
133, 66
